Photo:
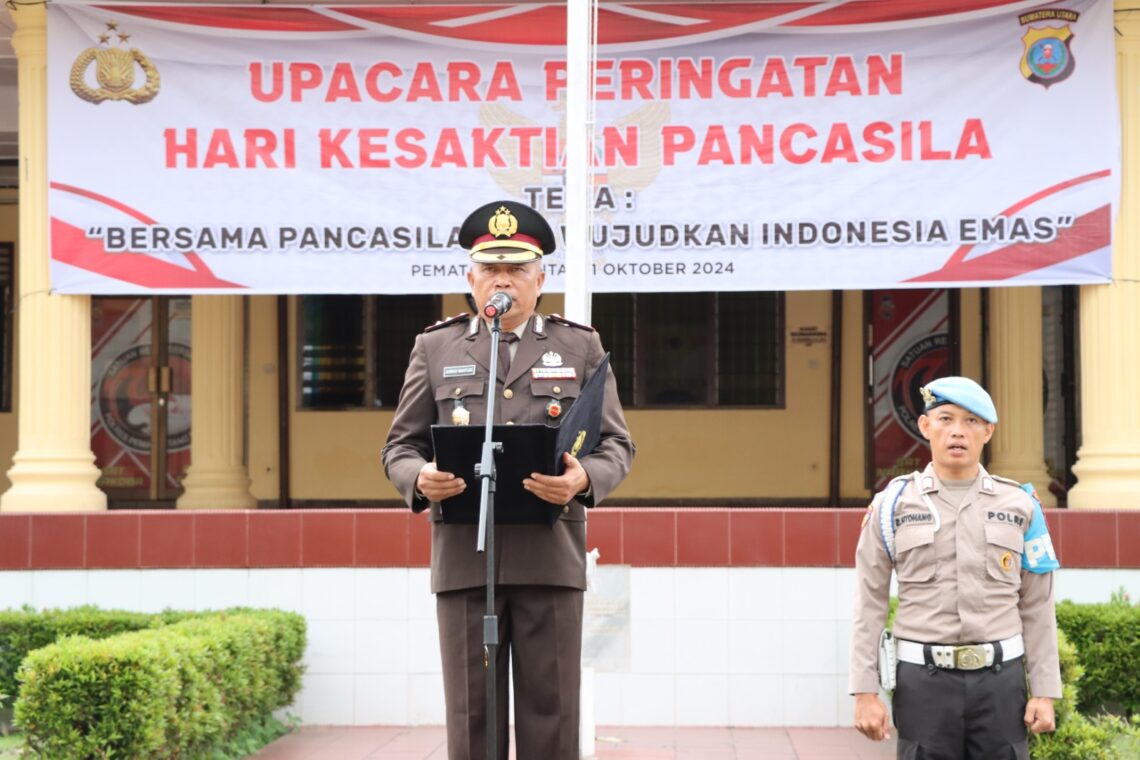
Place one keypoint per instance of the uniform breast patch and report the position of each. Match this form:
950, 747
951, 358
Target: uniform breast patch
554, 373
459, 370
913, 518
1005, 518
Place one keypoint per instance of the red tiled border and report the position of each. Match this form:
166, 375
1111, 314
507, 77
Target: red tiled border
640, 536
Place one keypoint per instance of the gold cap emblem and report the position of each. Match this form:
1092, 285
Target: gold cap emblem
927, 396
503, 223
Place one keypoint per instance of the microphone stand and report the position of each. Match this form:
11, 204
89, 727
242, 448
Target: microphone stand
485, 471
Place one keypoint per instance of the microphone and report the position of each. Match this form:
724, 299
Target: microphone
498, 305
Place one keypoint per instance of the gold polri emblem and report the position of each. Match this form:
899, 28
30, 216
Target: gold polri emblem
969, 659
578, 441
1007, 561
503, 223
114, 72
927, 396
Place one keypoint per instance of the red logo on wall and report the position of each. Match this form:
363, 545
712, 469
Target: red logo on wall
125, 402
924, 360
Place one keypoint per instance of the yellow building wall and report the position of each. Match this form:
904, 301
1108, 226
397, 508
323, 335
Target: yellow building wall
852, 400
970, 323
261, 405
686, 454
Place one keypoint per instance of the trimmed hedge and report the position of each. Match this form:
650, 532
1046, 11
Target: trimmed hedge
1107, 638
22, 631
178, 691
1105, 737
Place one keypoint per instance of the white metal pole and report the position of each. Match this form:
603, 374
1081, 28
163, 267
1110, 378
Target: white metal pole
579, 147
579, 241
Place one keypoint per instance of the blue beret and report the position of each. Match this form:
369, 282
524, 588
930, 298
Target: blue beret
960, 391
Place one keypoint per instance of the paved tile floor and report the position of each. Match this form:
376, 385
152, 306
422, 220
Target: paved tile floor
613, 743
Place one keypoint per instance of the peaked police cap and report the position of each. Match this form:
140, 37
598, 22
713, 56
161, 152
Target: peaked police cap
506, 232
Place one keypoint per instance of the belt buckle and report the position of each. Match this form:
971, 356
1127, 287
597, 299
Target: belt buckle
970, 657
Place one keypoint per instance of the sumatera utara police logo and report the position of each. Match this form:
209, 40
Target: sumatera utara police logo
922, 361
1048, 55
115, 71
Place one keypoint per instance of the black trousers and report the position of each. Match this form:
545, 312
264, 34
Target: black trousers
961, 714
540, 635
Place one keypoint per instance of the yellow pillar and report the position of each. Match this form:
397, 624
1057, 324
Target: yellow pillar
53, 468
217, 477
1108, 463
1017, 449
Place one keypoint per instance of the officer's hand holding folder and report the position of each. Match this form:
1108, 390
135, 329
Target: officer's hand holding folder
526, 449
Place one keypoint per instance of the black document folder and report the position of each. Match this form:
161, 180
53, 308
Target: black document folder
526, 449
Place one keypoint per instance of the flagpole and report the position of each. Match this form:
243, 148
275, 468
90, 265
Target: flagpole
580, 52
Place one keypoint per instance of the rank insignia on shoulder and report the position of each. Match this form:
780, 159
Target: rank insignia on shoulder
564, 321
457, 319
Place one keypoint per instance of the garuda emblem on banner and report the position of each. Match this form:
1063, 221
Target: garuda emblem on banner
114, 72
1048, 57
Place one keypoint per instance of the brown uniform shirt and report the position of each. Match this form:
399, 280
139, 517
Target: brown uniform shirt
960, 584
524, 554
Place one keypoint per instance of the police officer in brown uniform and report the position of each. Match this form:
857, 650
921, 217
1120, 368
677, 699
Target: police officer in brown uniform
974, 564
541, 571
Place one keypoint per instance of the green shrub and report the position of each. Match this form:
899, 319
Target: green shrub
1104, 737
1107, 637
1077, 737
179, 691
22, 631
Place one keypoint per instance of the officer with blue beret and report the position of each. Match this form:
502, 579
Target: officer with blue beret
975, 621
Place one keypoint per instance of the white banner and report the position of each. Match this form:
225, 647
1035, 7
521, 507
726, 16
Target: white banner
878, 144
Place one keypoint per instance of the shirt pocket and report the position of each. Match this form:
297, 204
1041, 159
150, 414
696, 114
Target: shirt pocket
916, 560
1004, 544
562, 391
468, 390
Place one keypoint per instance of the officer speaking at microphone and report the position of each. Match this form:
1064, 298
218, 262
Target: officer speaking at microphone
543, 363
976, 620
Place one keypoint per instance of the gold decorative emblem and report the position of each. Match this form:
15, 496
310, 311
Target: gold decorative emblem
114, 72
1007, 561
927, 396
460, 415
968, 658
578, 441
503, 223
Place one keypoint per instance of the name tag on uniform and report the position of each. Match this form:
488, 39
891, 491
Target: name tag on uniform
461, 370
553, 373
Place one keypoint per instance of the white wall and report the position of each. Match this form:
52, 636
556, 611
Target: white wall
673, 646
